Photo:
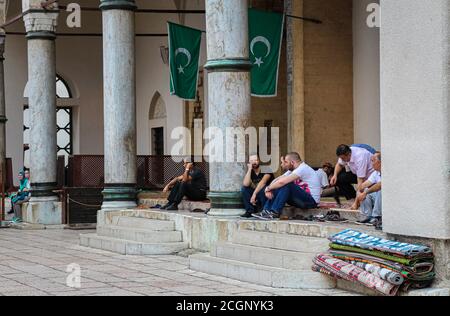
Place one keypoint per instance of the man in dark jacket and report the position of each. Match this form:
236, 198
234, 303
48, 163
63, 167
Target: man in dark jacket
191, 184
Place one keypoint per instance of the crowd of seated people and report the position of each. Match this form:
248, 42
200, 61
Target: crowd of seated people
356, 176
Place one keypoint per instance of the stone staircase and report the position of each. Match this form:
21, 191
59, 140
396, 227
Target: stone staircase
129, 235
268, 259
280, 255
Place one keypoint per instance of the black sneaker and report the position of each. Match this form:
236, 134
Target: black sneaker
375, 220
260, 214
165, 206
367, 221
267, 215
172, 207
247, 215
378, 223
11, 212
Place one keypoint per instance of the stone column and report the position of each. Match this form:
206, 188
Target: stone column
228, 94
40, 26
296, 83
119, 104
415, 123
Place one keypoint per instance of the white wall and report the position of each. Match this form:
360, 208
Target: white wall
79, 61
415, 111
366, 76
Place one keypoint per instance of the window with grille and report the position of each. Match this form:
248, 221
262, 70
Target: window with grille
64, 123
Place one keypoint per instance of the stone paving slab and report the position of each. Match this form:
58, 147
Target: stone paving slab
34, 263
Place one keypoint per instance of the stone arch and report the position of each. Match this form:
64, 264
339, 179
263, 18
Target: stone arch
158, 125
157, 107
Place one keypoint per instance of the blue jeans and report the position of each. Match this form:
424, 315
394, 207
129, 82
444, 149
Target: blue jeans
293, 195
371, 207
247, 194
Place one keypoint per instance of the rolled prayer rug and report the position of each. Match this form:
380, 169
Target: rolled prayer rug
384, 274
353, 273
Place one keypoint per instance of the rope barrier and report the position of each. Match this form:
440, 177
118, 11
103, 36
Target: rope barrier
82, 204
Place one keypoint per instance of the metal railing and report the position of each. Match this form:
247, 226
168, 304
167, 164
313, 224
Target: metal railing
153, 172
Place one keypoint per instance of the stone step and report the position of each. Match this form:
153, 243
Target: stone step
139, 235
350, 215
126, 247
281, 241
143, 223
260, 274
307, 229
185, 205
264, 256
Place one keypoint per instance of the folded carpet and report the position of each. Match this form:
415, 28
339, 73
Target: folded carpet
326, 264
354, 238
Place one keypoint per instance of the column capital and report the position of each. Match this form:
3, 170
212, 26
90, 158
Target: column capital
129, 5
41, 24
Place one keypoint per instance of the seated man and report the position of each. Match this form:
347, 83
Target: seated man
255, 183
191, 184
369, 196
22, 196
299, 187
325, 173
358, 161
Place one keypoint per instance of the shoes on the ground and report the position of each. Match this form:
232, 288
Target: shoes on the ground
165, 206
367, 221
247, 215
172, 207
375, 220
267, 215
334, 217
11, 212
260, 214
16, 220
378, 223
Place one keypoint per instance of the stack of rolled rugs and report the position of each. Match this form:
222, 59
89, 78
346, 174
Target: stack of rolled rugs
385, 266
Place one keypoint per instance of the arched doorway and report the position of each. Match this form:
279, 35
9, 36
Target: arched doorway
157, 125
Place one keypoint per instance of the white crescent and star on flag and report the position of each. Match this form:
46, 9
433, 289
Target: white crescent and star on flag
183, 51
260, 39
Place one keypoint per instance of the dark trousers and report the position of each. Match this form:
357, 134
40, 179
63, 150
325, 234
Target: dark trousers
247, 194
182, 189
293, 195
344, 183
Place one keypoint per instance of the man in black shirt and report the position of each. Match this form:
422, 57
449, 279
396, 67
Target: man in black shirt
191, 184
255, 182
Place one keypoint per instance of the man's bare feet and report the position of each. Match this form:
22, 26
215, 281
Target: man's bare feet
348, 205
355, 207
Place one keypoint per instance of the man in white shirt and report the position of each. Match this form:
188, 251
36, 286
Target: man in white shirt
299, 187
323, 178
369, 198
358, 161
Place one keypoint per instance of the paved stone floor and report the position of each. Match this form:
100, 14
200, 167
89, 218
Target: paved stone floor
34, 263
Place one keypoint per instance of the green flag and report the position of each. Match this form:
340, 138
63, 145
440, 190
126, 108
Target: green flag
265, 36
184, 58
